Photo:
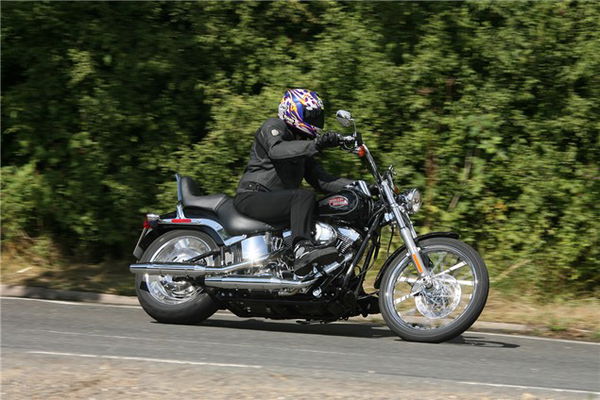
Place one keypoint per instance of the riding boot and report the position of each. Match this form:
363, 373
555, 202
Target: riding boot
306, 253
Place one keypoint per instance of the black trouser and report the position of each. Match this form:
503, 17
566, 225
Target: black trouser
296, 206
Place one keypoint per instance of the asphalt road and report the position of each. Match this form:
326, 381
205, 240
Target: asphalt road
53, 349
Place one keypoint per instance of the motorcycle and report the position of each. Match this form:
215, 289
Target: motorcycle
207, 256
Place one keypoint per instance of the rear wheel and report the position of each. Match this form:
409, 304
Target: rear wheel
443, 307
168, 299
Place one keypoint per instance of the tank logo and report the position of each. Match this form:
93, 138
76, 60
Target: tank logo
274, 132
337, 202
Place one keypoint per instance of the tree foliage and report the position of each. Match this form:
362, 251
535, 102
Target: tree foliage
491, 108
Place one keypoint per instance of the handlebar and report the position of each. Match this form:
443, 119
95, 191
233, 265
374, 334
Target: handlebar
346, 139
354, 140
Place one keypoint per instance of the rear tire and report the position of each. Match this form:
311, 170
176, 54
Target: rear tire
187, 304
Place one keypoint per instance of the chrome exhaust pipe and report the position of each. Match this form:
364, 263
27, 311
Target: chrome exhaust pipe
271, 283
246, 282
180, 269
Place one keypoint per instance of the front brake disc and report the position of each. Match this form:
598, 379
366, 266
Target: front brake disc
440, 299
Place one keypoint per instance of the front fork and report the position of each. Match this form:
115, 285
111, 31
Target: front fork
406, 231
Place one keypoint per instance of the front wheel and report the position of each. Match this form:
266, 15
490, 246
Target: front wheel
172, 300
442, 307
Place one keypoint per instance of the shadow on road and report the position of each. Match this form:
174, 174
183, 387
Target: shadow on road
481, 342
333, 329
361, 330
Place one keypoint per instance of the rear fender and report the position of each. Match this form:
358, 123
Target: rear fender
402, 250
200, 221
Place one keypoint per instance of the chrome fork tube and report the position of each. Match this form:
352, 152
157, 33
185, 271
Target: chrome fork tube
405, 231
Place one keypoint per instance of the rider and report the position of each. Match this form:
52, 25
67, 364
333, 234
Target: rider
281, 156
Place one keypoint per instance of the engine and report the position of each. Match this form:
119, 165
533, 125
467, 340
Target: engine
341, 237
269, 251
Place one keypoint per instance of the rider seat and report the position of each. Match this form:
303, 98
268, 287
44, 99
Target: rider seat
234, 222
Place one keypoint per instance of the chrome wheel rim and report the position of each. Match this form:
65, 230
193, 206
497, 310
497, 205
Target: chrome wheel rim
438, 302
165, 289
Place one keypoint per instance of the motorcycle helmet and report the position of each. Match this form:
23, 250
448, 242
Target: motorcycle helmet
302, 109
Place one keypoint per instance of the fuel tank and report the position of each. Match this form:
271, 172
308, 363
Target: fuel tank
346, 205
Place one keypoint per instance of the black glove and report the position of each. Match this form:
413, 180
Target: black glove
328, 139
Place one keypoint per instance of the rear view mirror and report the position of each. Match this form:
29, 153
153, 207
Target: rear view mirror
344, 118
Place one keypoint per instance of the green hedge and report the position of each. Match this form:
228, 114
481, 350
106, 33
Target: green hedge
491, 108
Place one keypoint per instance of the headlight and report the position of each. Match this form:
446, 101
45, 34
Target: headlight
413, 200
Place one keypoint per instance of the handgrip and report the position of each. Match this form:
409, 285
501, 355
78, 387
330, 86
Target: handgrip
345, 139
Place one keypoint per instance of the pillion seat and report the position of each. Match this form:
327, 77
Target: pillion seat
190, 199
234, 222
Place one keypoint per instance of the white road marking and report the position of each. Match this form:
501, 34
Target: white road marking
69, 303
501, 385
82, 303
532, 338
170, 361
158, 360
195, 342
107, 336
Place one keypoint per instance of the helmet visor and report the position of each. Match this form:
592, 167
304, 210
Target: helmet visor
315, 117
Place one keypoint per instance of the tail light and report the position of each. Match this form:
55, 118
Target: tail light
150, 221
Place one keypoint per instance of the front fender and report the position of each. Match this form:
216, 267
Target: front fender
402, 249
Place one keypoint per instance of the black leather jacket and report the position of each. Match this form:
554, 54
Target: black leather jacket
279, 160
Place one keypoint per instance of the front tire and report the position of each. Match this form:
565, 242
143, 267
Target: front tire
439, 310
176, 301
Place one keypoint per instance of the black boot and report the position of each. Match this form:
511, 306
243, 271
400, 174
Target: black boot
306, 253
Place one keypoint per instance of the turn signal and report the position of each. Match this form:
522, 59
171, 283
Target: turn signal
361, 151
